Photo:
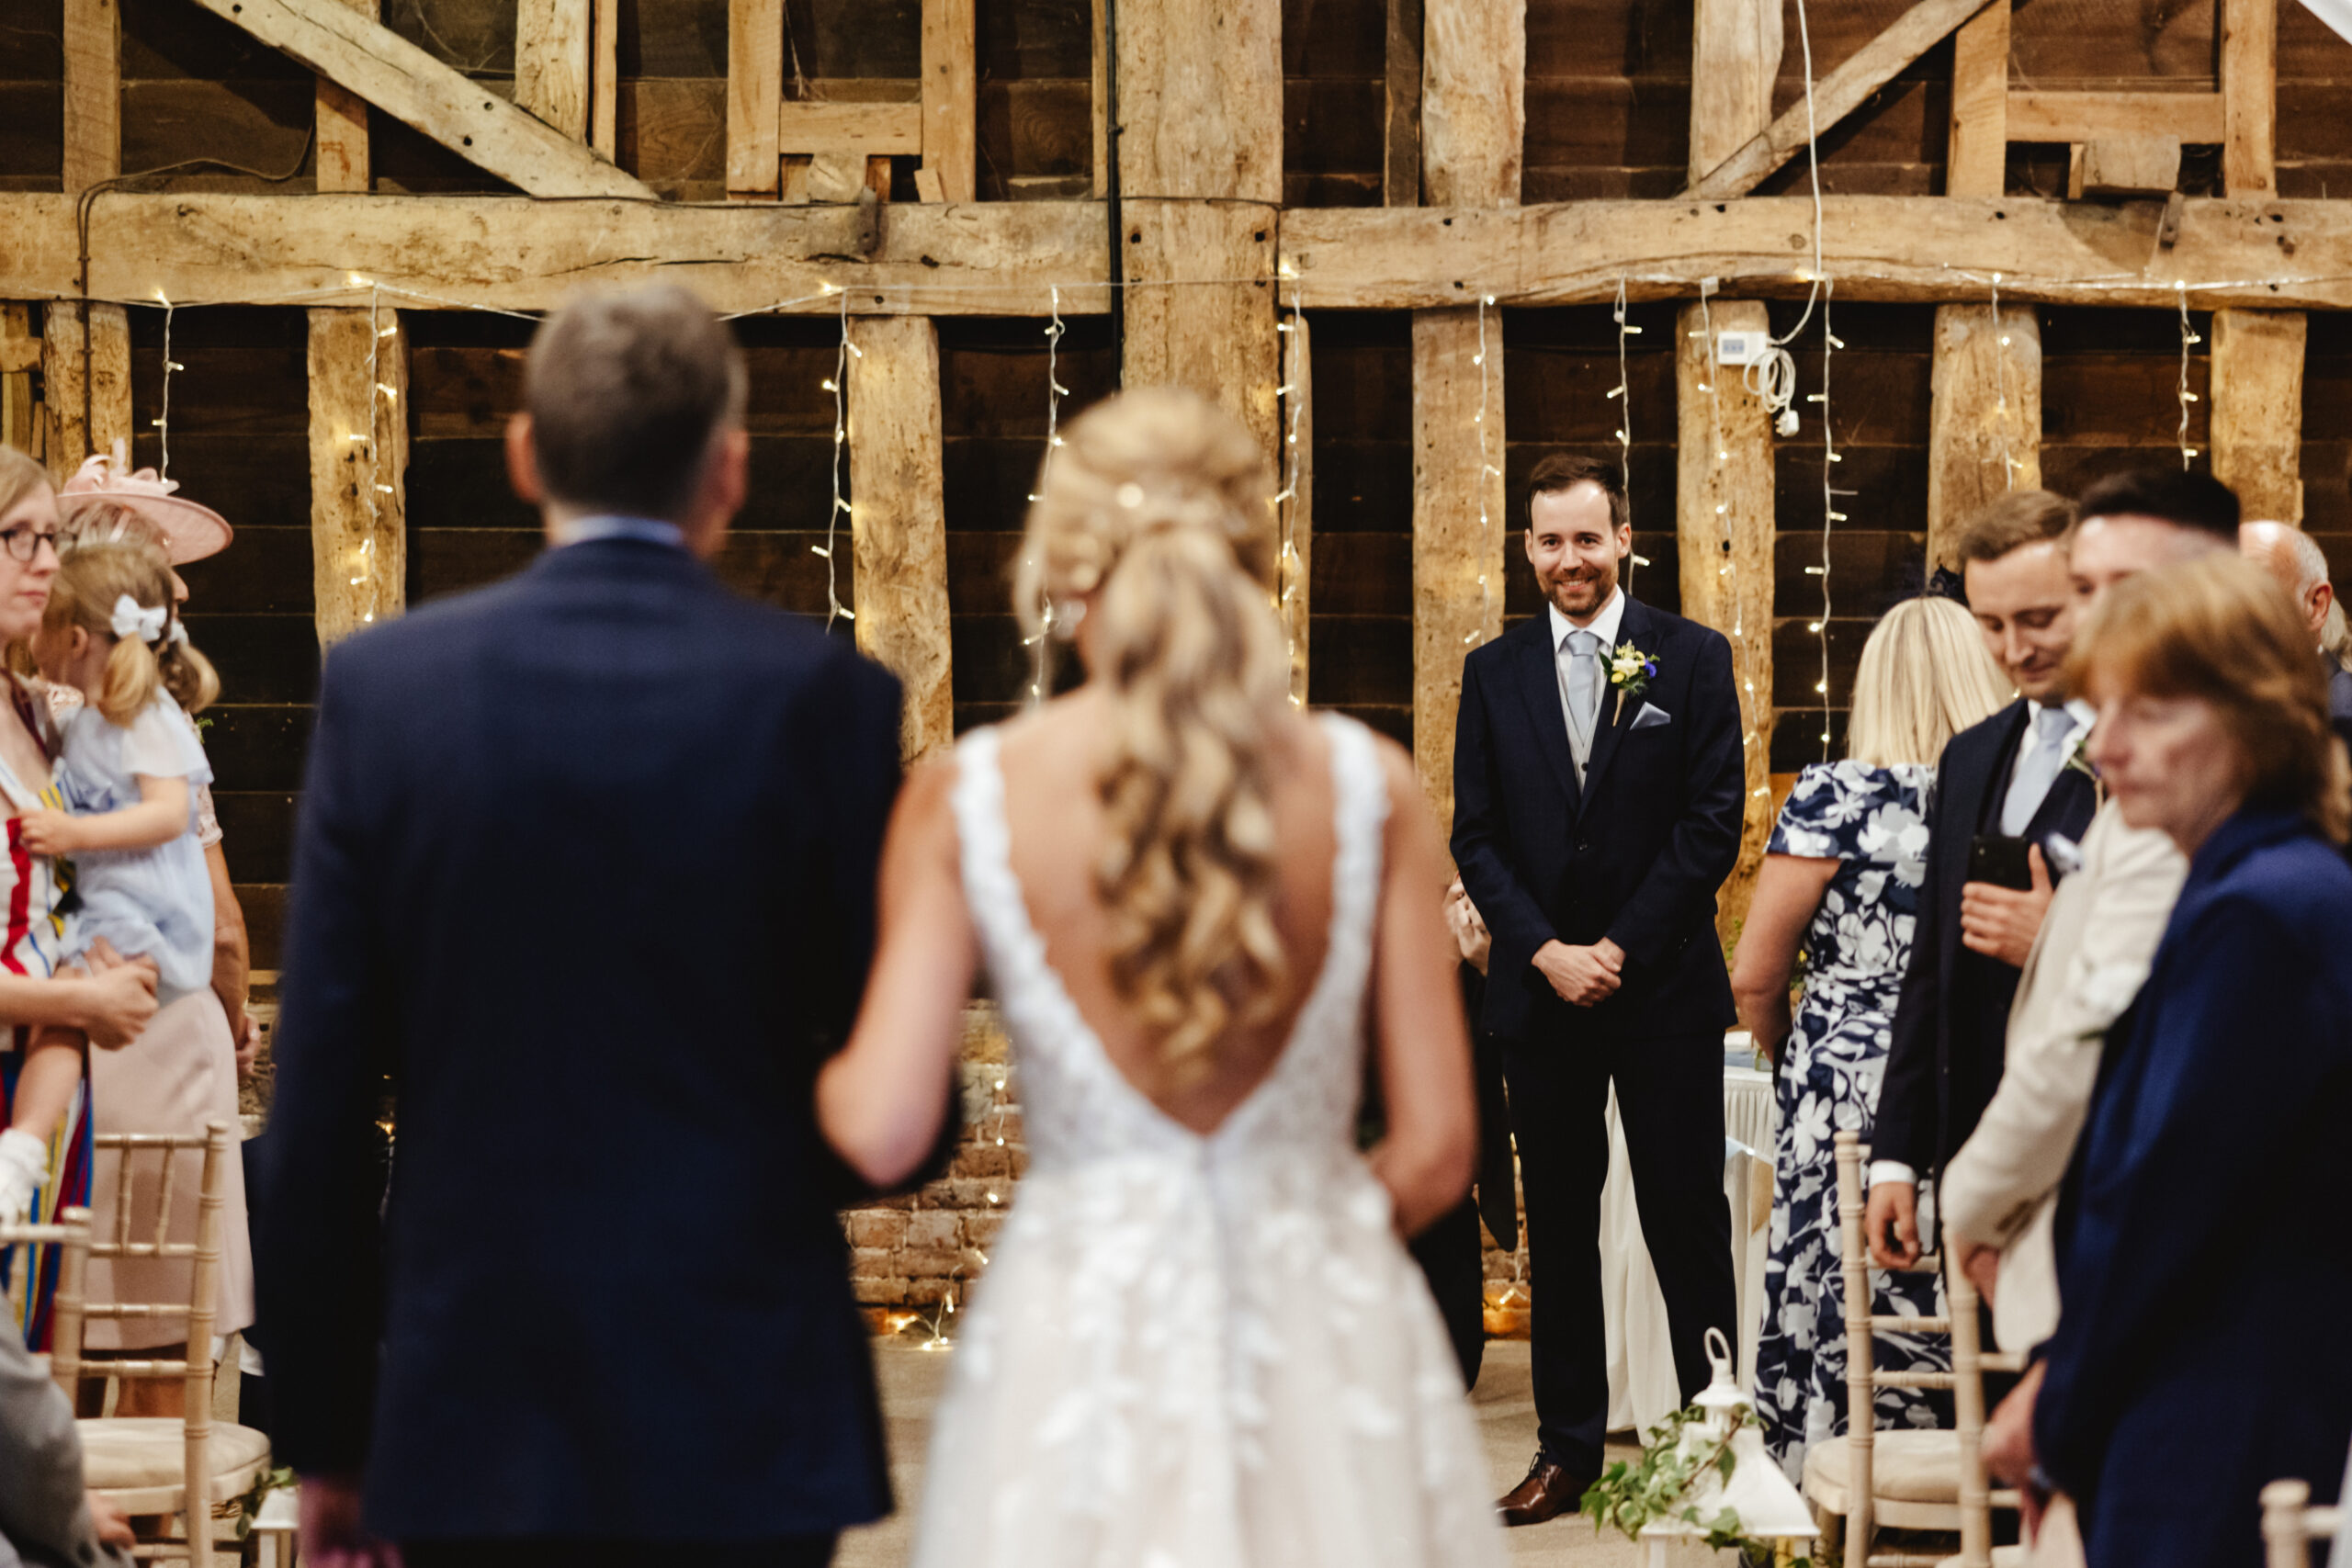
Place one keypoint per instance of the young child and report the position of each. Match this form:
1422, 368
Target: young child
129, 769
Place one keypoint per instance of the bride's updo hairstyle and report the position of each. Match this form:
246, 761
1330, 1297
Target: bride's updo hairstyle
1159, 505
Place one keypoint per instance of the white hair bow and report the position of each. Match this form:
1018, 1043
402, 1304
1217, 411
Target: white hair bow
131, 620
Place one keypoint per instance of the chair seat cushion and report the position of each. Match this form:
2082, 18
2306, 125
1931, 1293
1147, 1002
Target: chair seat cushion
126, 1452
1907, 1466
2002, 1557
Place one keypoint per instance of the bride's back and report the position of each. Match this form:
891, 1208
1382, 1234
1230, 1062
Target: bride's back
1059, 830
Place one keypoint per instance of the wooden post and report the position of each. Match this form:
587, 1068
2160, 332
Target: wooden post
2249, 93
91, 42
950, 99
1723, 525
358, 468
1985, 413
86, 386
1474, 102
605, 80
1458, 528
20, 353
1298, 571
554, 43
2258, 410
898, 522
343, 162
1734, 55
1400, 166
1977, 156
1099, 102
754, 95
1186, 326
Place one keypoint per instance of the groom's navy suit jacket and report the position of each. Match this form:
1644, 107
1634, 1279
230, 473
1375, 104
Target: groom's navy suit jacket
1635, 853
586, 867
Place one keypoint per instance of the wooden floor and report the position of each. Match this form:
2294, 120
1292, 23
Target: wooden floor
1505, 1412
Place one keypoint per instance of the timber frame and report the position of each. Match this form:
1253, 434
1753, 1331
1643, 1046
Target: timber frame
1188, 185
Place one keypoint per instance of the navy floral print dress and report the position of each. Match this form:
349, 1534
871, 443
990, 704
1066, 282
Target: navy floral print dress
1873, 820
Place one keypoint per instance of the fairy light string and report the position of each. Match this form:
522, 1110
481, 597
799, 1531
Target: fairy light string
837, 384
1486, 471
2188, 340
1293, 394
1038, 640
1622, 395
1830, 516
163, 415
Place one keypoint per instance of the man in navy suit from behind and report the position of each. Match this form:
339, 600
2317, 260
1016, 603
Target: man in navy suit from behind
585, 867
1592, 826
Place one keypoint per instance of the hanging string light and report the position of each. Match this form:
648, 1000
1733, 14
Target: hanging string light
1830, 516
837, 384
1623, 396
164, 415
1486, 471
2188, 340
1038, 641
1293, 393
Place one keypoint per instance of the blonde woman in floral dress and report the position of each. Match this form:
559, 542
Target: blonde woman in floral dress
1840, 885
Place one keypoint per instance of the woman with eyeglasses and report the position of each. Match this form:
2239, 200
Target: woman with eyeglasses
111, 1004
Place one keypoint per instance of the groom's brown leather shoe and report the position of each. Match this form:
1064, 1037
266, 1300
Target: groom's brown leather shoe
1548, 1492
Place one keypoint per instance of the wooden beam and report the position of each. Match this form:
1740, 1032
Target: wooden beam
2249, 98
950, 97
1200, 99
20, 356
605, 80
1099, 102
1186, 325
91, 40
1297, 570
1985, 413
1976, 157
898, 522
85, 385
867, 131
1474, 102
2131, 166
1458, 528
1835, 95
2258, 410
1400, 164
358, 470
2195, 117
554, 52
981, 259
2281, 254
344, 161
1723, 534
404, 80
1735, 57
754, 94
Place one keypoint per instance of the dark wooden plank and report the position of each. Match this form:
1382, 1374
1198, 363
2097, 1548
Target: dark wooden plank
256, 746
1334, 126
979, 571
257, 833
1796, 660
262, 658
32, 133
164, 40
1796, 739
1036, 39
1870, 570
265, 570
264, 904
1360, 659
1037, 130
672, 132
477, 39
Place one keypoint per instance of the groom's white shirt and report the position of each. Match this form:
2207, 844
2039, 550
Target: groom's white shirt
2085, 967
1604, 627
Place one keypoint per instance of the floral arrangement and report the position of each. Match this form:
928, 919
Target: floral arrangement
1629, 674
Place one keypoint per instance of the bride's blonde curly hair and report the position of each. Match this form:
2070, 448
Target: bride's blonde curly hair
1160, 505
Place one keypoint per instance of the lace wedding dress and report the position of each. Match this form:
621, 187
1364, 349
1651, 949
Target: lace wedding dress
1198, 1352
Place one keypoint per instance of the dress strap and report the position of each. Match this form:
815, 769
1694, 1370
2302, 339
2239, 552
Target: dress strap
1359, 825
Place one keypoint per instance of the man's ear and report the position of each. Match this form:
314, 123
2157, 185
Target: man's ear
523, 462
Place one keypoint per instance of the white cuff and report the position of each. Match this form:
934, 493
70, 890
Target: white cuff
1891, 1171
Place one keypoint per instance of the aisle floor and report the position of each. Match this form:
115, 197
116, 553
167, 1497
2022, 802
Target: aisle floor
1505, 1409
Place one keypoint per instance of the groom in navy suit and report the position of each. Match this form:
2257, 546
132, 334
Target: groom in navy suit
1596, 788
586, 870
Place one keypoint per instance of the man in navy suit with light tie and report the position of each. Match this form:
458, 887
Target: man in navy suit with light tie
1598, 788
586, 869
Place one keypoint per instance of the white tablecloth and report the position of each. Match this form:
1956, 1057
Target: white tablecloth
1642, 1387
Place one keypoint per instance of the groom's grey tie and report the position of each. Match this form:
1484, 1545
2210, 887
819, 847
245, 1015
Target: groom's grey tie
1583, 694
2044, 760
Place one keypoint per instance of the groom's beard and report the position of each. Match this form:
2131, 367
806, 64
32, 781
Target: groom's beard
1576, 594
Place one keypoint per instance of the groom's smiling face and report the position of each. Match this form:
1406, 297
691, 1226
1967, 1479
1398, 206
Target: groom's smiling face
1573, 548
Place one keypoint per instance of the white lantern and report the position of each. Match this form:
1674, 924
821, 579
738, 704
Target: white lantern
1768, 1509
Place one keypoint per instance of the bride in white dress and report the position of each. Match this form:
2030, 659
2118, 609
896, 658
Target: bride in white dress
1199, 1342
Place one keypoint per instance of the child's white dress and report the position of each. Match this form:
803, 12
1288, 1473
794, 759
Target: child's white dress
156, 902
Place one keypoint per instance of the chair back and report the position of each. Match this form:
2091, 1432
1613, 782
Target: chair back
143, 1231
20, 1253
2289, 1523
1970, 1362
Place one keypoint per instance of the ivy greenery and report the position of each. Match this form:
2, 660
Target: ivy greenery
1632, 1496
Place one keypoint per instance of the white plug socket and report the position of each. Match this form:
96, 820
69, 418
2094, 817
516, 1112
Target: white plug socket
1742, 347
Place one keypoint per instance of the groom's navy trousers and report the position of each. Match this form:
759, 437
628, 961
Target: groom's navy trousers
1634, 853
584, 886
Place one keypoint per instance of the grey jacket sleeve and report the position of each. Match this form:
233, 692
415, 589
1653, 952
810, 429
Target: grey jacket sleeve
45, 1514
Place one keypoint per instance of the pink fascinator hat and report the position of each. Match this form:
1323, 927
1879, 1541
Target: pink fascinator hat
190, 530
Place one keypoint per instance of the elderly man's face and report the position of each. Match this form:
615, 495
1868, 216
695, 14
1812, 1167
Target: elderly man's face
2271, 545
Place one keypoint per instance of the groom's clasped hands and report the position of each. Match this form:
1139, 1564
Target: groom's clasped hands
1582, 976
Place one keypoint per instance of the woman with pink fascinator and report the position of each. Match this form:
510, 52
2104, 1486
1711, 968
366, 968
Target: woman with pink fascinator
183, 1071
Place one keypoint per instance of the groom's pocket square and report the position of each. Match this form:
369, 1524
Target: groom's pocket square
1651, 717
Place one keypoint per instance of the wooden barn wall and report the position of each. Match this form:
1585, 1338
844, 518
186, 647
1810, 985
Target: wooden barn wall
2327, 442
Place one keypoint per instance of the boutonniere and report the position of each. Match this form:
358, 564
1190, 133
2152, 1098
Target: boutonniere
1629, 674
2079, 762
